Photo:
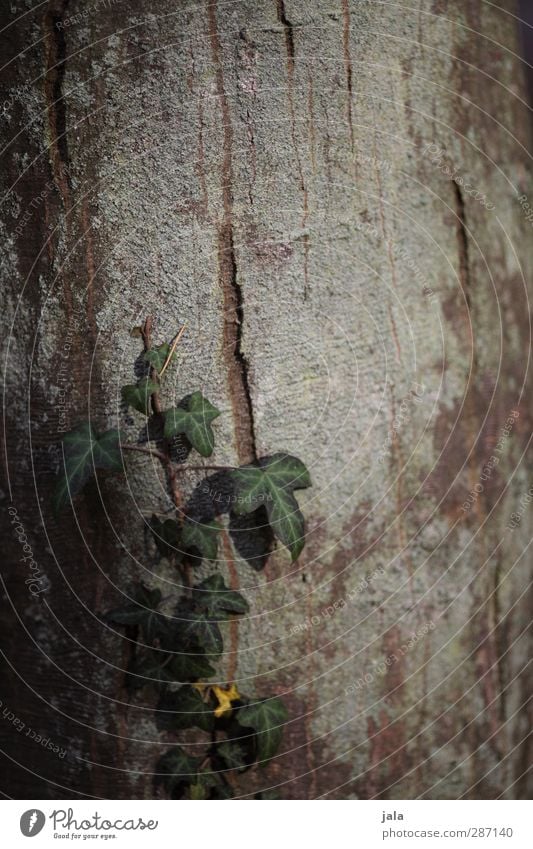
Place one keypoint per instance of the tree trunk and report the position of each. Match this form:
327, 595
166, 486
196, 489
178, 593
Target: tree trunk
262, 172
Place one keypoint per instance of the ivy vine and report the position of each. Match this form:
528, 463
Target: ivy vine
175, 653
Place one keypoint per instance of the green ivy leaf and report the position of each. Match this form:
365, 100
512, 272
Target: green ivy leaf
166, 536
266, 717
217, 600
137, 395
208, 785
233, 755
183, 708
84, 451
141, 612
190, 667
148, 671
203, 631
201, 536
194, 420
271, 483
157, 357
222, 791
198, 791
176, 770
158, 670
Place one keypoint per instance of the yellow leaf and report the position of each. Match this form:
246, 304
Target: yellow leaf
225, 698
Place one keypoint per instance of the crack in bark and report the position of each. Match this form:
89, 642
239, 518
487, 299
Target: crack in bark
54, 75
348, 64
291, 55
240, 392
495, 674
289, 33
390, 252
462, 240
501, 643
238, 369
56, 59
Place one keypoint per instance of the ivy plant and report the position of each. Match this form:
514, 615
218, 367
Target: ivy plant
178, 641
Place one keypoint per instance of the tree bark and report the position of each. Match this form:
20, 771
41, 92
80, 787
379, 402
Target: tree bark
261, 172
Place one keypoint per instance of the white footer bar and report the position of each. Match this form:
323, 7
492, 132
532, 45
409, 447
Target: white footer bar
264, 824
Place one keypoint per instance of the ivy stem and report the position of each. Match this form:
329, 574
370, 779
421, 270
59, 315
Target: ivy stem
146, 333
159, 454
204, 468
166, 459
172, 479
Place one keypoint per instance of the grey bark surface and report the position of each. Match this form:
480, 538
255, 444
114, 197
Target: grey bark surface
256, 170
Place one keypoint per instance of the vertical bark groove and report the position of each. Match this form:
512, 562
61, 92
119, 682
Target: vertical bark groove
238, 378
56, 58
348, 64
289, 34
462, 240
291, 56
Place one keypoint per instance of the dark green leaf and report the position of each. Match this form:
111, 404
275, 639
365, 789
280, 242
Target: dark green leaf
190, 667
203, 631
198, 791
149, 671
271, 483
176, 770
84, 451
217, 600
252, 537
287, 521
157, 357
106, 451
153, 624
202, 537
222, 791
141, 612
183, 708
158, 669
209, 785
266, 717
193, 419
233, 755
137, 395
167, 537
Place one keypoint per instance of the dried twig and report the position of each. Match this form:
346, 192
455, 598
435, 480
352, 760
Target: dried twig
172, 349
